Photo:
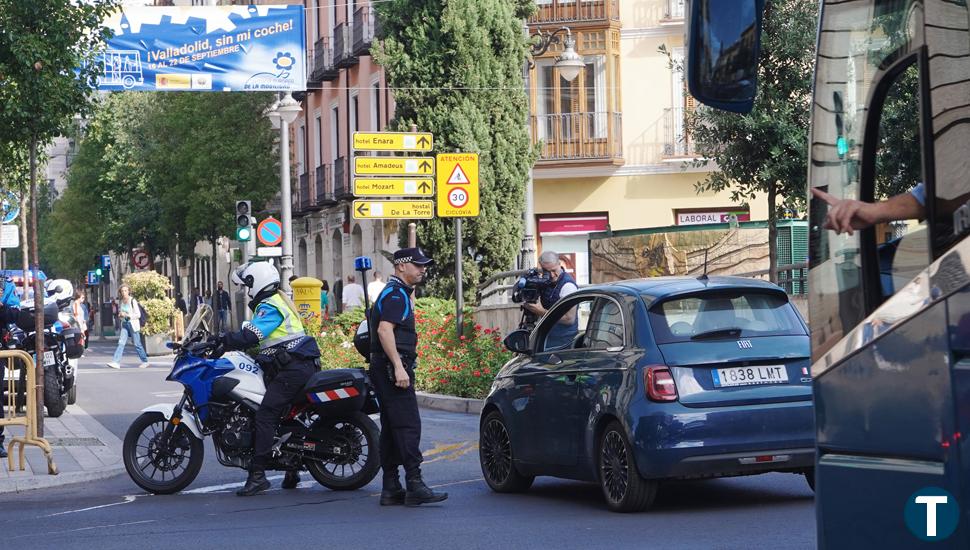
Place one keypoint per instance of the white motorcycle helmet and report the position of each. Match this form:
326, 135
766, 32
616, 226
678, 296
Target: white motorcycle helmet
256, 277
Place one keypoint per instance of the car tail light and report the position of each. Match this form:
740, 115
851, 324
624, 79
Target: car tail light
659, 383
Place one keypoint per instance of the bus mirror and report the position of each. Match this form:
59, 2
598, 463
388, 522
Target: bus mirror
724, 40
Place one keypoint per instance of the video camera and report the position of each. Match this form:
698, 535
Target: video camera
528, 289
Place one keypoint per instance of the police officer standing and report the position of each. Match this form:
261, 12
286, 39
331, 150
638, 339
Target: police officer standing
393, 360
284, 348
562, 285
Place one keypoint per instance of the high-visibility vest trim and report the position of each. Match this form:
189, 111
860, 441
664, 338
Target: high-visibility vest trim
290, 329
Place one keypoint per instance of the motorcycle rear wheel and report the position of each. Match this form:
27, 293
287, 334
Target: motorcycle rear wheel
54, 400
148, 463
357, 438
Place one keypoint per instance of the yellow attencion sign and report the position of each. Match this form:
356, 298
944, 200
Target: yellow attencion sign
393, 187
457, 185
393, 166
393, 141
390, 209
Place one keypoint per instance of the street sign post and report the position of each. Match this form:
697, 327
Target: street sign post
393, 166
393, 141
393, 209
458, 185
269, 251
393, 187
140, 258
93, 278
269, 232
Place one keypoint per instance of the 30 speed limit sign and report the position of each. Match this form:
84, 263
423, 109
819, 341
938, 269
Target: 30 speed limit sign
457, 198
457, 185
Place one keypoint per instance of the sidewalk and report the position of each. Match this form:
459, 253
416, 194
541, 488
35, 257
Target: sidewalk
83, 451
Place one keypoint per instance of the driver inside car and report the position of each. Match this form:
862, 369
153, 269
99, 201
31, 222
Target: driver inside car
285, 348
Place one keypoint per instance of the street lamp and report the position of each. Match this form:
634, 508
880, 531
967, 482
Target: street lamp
281, 114
569, 63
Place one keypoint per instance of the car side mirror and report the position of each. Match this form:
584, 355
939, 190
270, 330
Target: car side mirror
517, 341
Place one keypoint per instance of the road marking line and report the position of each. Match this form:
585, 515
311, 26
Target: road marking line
85, 528
128, 499
223, 487
440, 448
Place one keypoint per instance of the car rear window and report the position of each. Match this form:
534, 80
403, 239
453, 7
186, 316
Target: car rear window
723, 315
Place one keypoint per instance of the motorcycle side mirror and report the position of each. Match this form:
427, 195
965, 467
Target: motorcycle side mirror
517, 341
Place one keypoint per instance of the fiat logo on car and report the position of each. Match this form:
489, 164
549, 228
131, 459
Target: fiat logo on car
745, 344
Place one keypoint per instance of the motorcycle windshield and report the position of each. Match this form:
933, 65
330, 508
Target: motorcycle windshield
202, 320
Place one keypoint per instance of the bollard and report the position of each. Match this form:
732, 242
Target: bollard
29, 421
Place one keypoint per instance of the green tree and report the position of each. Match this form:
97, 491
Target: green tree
764, 152
456, 67
41, 46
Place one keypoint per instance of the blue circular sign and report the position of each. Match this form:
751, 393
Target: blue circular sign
931, 514
270, 232
9, 206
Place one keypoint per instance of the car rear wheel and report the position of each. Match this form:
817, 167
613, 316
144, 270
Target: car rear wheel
623, 487
495, 457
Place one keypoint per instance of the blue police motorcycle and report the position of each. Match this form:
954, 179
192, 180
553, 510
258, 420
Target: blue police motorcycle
327, 430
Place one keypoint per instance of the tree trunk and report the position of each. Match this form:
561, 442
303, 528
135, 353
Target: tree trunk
38, 292
215, 280
772, 234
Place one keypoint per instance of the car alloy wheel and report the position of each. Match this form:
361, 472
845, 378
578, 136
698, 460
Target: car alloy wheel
614, 466
623, 487
495, 456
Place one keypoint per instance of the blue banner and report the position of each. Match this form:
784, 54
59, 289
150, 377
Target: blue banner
205, 49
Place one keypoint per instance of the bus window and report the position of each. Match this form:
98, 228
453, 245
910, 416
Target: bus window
858, 43
902, 246
949, 51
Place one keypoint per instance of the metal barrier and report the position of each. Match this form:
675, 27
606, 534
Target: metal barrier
29, 422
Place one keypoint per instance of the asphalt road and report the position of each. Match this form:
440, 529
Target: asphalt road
769, 511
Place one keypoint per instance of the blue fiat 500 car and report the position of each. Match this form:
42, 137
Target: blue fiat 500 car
636, 382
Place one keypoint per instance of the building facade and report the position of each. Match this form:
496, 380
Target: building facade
346, 92
613, 141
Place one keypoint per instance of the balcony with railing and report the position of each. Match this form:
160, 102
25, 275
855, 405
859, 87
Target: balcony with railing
677, 142
578, 136
575, 11
674, 10
323, 68
341, 180
323, 190
364, 27
343, 55
301, 195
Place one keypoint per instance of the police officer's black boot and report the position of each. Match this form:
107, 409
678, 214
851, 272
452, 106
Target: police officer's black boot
291, 479
418, 493
255, 483
392, 492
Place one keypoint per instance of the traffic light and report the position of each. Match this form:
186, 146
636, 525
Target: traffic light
244, 221
98, 272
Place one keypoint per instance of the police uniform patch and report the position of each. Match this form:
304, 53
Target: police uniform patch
261, 313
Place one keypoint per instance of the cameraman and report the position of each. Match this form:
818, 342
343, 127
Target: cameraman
561, 285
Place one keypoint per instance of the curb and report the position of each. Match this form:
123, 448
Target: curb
449, 403
29, 482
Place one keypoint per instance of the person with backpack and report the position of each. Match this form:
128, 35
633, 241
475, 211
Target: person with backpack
131, 315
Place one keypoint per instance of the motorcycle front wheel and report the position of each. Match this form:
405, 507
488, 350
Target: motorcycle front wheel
158, 464
352, 445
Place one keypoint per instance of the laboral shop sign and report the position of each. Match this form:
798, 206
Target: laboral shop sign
700, 218
205, 48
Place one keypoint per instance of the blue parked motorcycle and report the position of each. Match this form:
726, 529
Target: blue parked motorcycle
327, 430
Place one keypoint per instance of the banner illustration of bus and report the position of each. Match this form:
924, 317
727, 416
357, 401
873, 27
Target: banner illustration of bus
122, 68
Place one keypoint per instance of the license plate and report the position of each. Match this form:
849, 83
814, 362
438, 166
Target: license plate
48, 358
748, 376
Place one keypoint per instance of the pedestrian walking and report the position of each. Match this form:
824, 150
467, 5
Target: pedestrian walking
222, 297
79, 309
207, 300
375, 287
180, 304
129, 313
353, 294
393, 347
325, 300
